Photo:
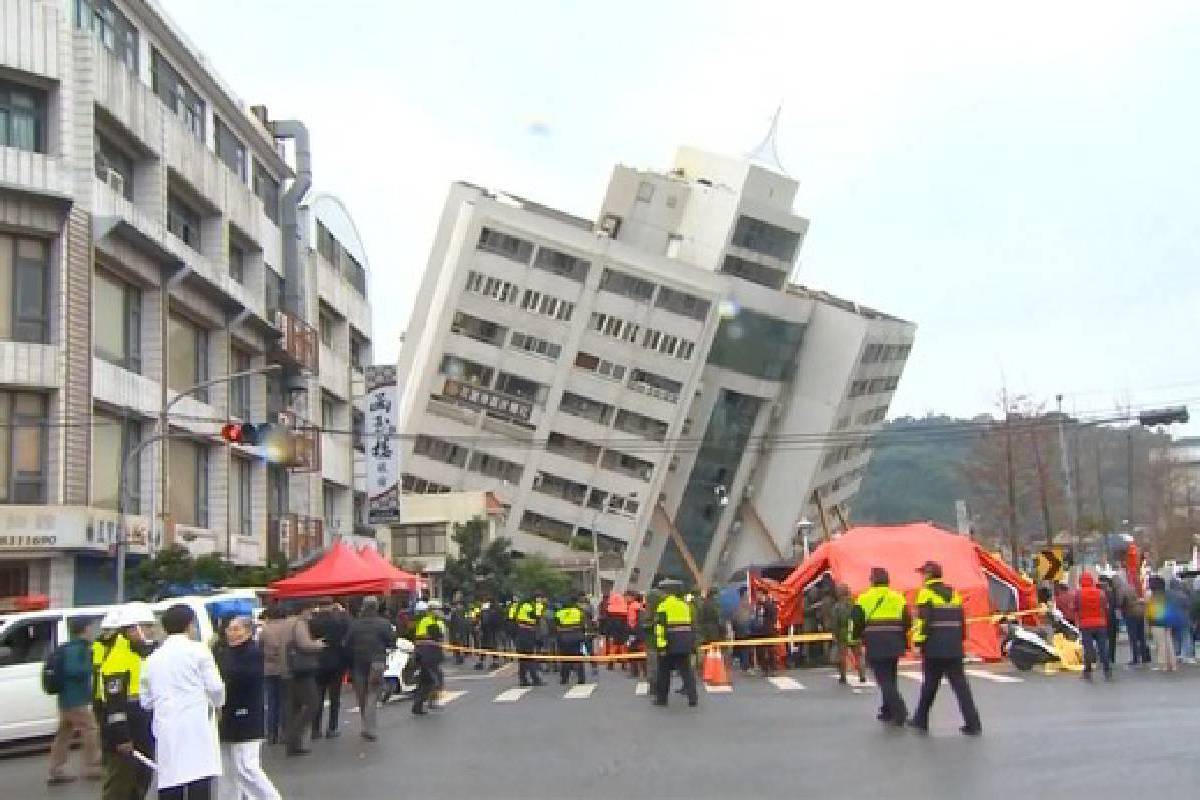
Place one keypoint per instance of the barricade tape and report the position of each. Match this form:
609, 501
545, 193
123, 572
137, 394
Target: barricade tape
796, 638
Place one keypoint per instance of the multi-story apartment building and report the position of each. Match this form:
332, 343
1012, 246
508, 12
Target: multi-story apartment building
153, 237
650, 377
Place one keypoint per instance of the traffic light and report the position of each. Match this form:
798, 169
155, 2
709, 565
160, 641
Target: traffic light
275, 440
1164, 416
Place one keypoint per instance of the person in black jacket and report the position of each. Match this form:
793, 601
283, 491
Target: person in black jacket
242, 724
371, 636
331, 624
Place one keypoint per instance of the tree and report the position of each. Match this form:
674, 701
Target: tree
173, 570
536, 573
481, 567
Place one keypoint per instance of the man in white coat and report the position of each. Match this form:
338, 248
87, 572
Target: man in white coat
181, 687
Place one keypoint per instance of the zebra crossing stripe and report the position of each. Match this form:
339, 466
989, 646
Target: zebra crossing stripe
911, 675
642, 689
513, 695
995, 677
714, 689
786, 684
580, 692
445, 698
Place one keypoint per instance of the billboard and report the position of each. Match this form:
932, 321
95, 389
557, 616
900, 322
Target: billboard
380, 408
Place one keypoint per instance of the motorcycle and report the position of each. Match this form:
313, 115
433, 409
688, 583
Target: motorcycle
399, 673
1027, 648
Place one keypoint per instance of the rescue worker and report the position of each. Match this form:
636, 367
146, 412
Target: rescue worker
528, 616
491, 620
109, 628
675, 641
939, 633
460, 629
428, 635
510, 623
616, 621
124, 725
569, 621
880, 620
636, 641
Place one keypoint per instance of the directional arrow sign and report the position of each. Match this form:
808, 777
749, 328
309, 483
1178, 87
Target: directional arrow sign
1050, 564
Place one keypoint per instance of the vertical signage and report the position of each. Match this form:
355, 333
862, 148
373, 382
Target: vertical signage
381, 405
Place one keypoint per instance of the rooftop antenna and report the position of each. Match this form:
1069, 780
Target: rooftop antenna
767, 151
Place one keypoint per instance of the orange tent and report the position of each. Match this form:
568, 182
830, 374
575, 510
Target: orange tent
983, 580
400, 579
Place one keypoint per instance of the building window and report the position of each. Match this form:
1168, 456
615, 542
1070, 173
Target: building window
599, 366
495, 467
682, 303
187, 356
754, 273
547, 305
24, 289
627, 285
23, 442
114, 167
326, 244
418, 485
360, 351
272, 288
241, 494
410, 541
668, 344
522, 388
237, 262
356, 276
330, 416
738, 345
22, 117
266, 189
505, 245
503, 291
111, 28
440, 450
765, 238
641, 425
579, 406
467, 371
536, 346
645, 192
325, 325
239, 388
183, 220
188, 464
113, 439
178, 96
563, 264
615, 327
655, 385
118, 321
230, 149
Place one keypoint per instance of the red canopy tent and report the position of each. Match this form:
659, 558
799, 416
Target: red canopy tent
902, 549
402, 580
340, 571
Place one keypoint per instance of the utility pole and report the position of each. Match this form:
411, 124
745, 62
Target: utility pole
1012, 484
1042, 491
1068, 485
1100, 496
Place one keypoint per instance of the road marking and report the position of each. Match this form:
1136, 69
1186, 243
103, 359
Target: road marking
642, 689
993, 676
912, 676
855, 683
714, 689
446, 698
580, 692
513, 695
786, 684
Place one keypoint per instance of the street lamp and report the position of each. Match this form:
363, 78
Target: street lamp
124, 495
803, 528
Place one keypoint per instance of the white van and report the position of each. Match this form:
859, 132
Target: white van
27, 637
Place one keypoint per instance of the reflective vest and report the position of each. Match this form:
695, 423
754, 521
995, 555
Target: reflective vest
941, 626
569, 618
120, 675
884, 622
512, 612
99, 653
430, 628
529, 612
673, 633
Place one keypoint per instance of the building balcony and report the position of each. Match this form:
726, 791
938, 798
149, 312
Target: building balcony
28, 364
293, 537
121, 388
337, 463
298, 344
338, 294
34, 173
124, 96
335, 373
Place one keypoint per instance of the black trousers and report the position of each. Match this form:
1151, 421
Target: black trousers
302, 705
934, 669
528, 668
427, 684
329, 684
570, 646
892, 707
199, 789
681, 663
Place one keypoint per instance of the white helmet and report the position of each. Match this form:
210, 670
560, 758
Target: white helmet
435, 605
111, 620
135, 614
421, 607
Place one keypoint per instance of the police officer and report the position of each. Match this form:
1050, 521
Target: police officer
428, 635
124, 725
569, 621
528, 616
940, 631
675, 641
880, 620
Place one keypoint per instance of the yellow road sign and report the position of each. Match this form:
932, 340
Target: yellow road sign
1050, 564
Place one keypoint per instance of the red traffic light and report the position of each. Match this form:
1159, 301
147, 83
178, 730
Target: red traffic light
244, 433
275, 440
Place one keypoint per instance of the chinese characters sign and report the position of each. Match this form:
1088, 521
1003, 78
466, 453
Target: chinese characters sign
380, 408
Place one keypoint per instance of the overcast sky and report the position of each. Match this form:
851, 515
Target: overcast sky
1022, 181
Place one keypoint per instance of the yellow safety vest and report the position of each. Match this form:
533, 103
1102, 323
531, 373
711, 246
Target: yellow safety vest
673, 626
429, 627
529, 612
884, 630
569, 617
940, 622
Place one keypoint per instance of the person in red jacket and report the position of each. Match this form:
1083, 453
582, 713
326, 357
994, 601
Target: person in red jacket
1091, 615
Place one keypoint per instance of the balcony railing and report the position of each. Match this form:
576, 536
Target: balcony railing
298, 344
294, 537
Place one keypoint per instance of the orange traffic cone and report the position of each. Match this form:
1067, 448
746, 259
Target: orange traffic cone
714, 672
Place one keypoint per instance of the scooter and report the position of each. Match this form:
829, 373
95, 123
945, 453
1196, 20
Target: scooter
1028, 648
399, 678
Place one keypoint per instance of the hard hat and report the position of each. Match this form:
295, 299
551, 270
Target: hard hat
111, 620
135, 614
421, 607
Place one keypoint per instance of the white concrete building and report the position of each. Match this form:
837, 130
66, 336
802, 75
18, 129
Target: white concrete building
154, 236
659, 358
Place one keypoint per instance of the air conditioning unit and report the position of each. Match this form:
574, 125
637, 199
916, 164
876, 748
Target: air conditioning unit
115, 181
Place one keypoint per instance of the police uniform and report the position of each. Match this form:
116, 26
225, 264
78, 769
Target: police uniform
880, 620
123, 721
528, 615
428, 634
939, 632
675, 641
569, 621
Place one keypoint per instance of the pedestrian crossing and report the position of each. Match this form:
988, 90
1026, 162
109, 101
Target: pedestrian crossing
785, 684
983, 674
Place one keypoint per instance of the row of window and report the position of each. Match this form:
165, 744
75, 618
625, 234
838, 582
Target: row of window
673, 300
500, 290
521, 250
840, 454
547, 305
874, 386
765, 238
872, 415
415, 484
651, 339
875, 353
337, 255
536, 345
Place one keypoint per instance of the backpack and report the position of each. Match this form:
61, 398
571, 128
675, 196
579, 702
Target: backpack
52, 671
